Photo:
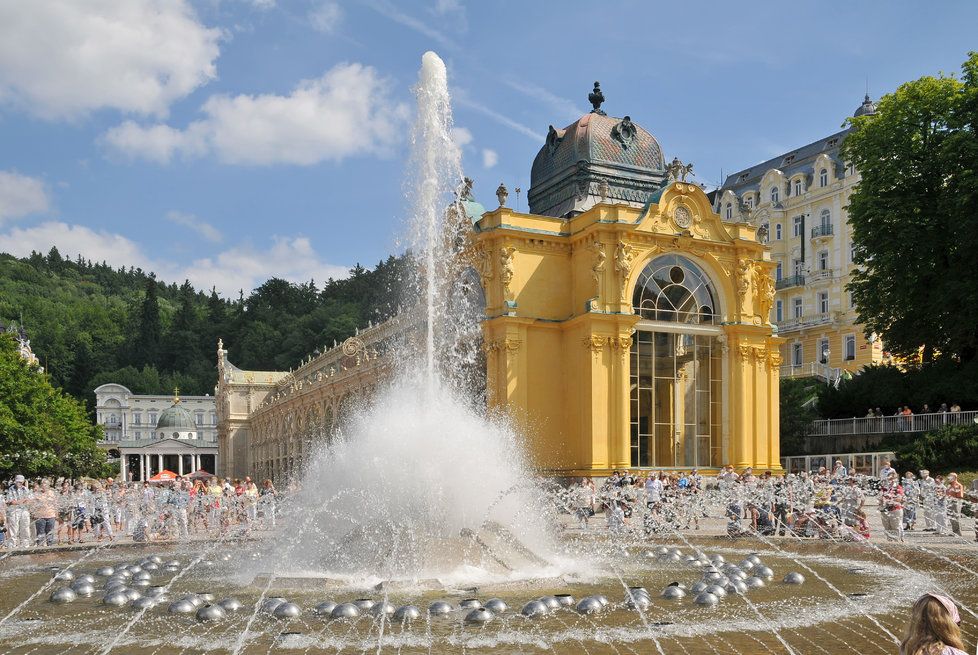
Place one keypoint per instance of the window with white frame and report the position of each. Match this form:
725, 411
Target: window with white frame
778, 311
137, 418
152, 419
199, 416
749, 200
775, 195
796, 307
213, 418
778, 272
825, 217
823, 260
823, 348
777, 231
796, 354
796, 267
850, 347
729, 211
852, 252
852, 302
796, 230
797, 187
823, 302
823, 177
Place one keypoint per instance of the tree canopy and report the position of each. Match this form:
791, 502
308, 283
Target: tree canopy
43, 431
914, 217
90, 324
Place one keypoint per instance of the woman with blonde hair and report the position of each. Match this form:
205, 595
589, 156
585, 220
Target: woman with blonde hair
933, 628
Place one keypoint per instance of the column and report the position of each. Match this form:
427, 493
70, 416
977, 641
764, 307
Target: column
159, 458
142, 468
180, 464
122, 466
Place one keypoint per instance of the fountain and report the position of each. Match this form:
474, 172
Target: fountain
421, 528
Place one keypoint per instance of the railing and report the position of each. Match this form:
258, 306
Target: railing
811, 370
822, 231
820, 274
793, 281
805, 322
891, 424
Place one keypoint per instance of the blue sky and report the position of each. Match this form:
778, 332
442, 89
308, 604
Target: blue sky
227, 141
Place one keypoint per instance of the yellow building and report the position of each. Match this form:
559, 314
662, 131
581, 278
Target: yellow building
798, 202
626, 323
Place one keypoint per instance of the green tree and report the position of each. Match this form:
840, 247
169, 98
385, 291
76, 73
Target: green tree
914, 216
150, 329
43, 431
954, 447
797, 407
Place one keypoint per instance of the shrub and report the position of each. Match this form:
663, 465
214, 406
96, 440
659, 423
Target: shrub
952, 448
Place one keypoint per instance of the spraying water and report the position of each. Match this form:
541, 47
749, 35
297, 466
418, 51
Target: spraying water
421, 483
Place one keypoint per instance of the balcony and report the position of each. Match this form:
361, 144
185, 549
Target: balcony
793, 281
803, 322
822, 231
821, 275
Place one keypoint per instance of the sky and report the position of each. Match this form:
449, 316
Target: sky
229, 141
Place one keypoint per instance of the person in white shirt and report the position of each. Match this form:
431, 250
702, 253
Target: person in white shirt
18, 499
885, 470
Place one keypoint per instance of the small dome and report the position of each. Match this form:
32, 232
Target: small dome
868, 108
595, 156
177, 418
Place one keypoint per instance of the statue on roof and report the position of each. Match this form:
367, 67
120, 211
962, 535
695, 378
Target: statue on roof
678, 171
596, 98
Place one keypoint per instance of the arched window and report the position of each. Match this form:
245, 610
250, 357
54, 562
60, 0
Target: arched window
672, 288
797, 187
729, 211
775, 197
823, 177
825, 218
777, 231
676, 368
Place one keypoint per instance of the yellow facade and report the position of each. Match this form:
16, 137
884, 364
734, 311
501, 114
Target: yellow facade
560, 336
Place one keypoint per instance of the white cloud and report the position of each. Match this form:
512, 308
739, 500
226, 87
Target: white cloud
462, 99
325, 17
389, 10
489, 158
348, 111
63, 58
205, 230
461, 136
447, 6
566, 108
21, 195
239, 267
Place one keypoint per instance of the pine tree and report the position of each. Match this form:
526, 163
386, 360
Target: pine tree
150, 329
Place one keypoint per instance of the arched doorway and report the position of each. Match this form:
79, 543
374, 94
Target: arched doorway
676, 372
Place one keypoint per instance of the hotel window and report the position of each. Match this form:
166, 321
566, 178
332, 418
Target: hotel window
796, 230
778, 311
729, 211
797, 187
823, 346
826, 218
778, 272
796, 267
152, 419
796, 307
137, 418
850, 347
777, 231
775, 197
823, 302
749, 201
213, 419
852, 252
199, 417
796, 358
823, 177
823, 260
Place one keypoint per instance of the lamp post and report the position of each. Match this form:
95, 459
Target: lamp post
825, 360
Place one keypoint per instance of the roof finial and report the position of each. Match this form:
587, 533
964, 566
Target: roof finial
176, 395
596, 98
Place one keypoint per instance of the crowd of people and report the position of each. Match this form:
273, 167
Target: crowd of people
831, 504
43, 512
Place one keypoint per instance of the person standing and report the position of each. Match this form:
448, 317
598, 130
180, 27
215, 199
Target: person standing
928, 500
267, 493
891, 508
885, 470
851, 502
911, 490
18, 513
44, 507
955, 496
